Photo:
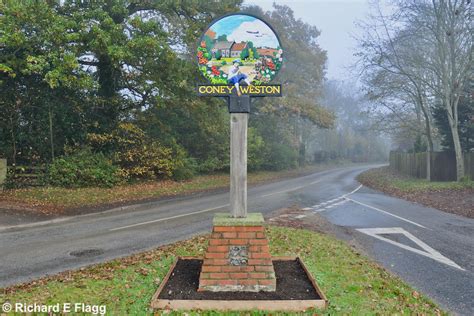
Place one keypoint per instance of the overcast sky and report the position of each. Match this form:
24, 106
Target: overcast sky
335, 19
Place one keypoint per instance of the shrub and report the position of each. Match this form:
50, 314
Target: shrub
83, 169
256, 150
140, 157
186, 170
280, 157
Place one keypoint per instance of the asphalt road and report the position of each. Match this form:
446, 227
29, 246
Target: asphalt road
431, 250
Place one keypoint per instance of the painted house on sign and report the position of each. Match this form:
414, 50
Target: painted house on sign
224, 47
267, 52
237, 48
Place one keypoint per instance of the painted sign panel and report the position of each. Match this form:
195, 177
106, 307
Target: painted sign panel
239, 49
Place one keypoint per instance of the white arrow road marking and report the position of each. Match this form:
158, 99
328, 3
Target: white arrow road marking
385, 212
428, 251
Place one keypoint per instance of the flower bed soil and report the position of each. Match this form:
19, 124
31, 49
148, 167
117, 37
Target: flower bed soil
293, 283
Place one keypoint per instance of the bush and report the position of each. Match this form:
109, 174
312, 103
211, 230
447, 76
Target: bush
256, 150
212, 164
186, 170
280, 157
140, 157
83, 169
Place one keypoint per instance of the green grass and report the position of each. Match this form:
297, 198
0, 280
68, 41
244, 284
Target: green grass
56, 199
385, 178
353, 284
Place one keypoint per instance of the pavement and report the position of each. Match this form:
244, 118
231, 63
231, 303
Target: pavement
430, 249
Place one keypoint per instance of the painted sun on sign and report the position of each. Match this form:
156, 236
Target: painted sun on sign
239, 48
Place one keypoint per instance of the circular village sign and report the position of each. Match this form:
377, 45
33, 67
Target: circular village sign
239, 54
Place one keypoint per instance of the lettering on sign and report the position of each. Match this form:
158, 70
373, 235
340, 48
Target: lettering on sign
227, 90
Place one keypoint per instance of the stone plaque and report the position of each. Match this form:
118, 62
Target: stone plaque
238, 255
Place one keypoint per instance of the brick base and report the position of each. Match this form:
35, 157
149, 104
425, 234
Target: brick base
253, 273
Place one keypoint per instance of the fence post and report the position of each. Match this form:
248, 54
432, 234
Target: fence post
3, 172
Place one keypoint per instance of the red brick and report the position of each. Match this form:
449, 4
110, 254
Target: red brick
207, 282
218, 242
226, 282
219, 275
215, 262
239, 275
204, 276
259, 262
260, 235
216, 235
267, 282
231, 268
239, 241
215, 255
218, 249
255, 275
261, 255
247, 235
254, 229
248, 282
211, 269
255, 248
265, 249
259, 242
229, 235
224, 229
264, 268
247, 268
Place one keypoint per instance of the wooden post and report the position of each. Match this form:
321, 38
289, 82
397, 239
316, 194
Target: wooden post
238, 164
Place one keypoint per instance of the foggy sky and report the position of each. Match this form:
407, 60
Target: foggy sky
335, 19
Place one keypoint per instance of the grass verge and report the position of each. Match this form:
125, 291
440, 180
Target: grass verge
51, 200
452, 197
353, 284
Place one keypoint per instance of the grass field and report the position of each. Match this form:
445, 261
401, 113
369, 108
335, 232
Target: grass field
353, 284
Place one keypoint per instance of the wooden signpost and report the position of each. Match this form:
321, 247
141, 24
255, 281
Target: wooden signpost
239, 54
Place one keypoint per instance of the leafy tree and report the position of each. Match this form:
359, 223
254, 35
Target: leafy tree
222, 38
244, 54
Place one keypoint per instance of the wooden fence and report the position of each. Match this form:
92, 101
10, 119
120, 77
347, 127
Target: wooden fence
443, 165
26, 176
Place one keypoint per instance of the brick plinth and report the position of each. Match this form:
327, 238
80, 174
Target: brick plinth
247, 267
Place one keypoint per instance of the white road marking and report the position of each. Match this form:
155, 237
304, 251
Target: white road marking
320, 209
353, 191
293, 189
428, 251
284, 191
387, 213
168, 218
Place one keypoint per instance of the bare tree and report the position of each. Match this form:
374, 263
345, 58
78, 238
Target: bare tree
394, 71
427, 43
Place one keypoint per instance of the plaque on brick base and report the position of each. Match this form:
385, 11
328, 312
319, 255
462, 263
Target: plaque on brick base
238, 256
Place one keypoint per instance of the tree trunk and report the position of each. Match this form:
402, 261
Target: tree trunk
458, 153
51, 132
